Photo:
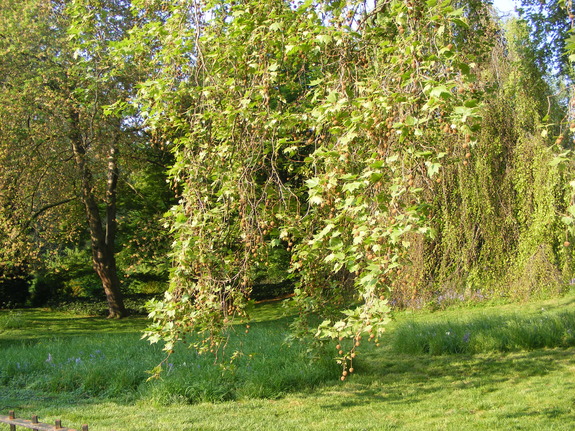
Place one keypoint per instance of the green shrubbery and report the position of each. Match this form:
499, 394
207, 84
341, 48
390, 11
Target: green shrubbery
13, 287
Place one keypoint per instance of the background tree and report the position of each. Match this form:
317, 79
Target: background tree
550, 23
61, 144
32, 179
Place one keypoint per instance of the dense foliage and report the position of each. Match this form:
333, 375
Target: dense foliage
499, 218
399, 153
339, 133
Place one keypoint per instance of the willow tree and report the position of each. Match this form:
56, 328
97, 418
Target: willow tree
498, 213
58, 145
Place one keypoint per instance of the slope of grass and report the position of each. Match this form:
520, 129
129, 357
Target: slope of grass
272, 387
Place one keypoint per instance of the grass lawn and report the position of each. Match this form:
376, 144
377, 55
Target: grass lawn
507, 383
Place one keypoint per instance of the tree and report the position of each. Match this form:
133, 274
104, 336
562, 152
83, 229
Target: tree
57, 81
498, 214
314, 127
551, 22
31, 183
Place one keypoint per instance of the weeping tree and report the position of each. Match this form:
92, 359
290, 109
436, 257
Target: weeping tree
499, 213
316, 127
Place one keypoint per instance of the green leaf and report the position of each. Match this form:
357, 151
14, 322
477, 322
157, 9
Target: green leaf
332, 97
410, 121
375, 177
557, 161
441, 92
456, 12
324, 38
312, 183
351, 187
325, 231
290, 49
432, 168
424, 153
464, 68
315, 200
461, 23
276, 26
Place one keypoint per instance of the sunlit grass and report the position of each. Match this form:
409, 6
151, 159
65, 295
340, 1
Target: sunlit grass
273, 387
483, 334
12, 320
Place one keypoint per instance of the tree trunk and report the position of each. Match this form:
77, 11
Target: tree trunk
105, 266
102, 238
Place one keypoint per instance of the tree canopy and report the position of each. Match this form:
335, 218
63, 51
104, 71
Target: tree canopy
350, 137
394, 153
59, 144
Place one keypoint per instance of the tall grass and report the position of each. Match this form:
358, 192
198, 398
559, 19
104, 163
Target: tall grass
12, 320
489, 333
106, 365
258, 365
115, 366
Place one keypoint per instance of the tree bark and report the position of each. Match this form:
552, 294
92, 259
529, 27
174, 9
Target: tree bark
102, 236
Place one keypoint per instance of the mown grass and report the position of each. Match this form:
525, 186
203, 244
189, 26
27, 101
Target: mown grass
501, 384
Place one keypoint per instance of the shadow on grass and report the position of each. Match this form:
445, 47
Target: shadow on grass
41, 324
400, 379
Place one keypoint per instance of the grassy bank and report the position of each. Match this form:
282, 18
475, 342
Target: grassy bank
402, 385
